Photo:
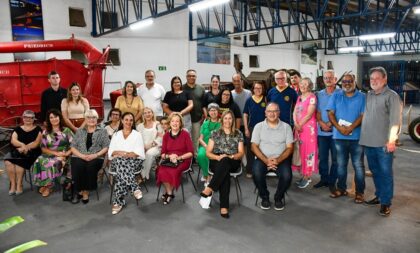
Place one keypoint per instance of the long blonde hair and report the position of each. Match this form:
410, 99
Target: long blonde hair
233, 129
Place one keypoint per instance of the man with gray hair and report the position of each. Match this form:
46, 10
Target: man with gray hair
272, 144
380, 128
152, 94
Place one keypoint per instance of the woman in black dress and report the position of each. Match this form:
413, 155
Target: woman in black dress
177, 100
25, 149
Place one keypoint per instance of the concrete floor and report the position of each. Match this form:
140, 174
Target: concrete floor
311, 222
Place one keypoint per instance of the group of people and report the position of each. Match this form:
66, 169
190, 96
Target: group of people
221, 130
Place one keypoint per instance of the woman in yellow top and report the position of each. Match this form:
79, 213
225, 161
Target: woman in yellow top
73, 107
130, 102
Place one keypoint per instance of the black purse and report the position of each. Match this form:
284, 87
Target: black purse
167, 162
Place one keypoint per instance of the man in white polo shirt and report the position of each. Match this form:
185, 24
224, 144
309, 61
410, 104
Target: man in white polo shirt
152, 94
272, 144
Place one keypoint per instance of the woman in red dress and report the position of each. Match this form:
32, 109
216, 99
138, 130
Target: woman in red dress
178, 148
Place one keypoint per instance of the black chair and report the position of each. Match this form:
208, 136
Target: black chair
187, 172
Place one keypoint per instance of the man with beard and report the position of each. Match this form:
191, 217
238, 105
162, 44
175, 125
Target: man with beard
345, 111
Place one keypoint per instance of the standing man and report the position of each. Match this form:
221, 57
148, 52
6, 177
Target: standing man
152, 94
198, 113
325, 139
240, 95
272, 144
294, 79
51, 98
284, 96
380, 129
345, 110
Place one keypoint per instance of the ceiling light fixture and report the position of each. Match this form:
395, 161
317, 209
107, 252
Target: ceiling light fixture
206, 4
416, 10
376, 36
350, 49
141, 24
230, 35
382, 53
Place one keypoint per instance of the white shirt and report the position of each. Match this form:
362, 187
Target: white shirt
152, 97
133, 143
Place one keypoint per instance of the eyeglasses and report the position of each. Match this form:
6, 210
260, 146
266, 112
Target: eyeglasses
149, 76
91, 118
190, 76
281, 78
272, 111
225, 94
28, 117
347, 81
328, 78
115, 114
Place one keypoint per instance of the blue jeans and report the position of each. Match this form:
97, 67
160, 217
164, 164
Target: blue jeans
325, 146
380, 163
346, 148
284, 174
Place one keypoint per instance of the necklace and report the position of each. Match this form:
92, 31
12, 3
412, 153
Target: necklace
131, 102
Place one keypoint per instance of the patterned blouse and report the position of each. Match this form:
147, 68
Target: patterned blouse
100, 140
226, 143
57, 141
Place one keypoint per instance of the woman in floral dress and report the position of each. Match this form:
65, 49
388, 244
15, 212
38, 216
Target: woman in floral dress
55, 147
306, 132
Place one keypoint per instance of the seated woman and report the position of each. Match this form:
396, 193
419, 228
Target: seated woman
24, 151
89, 146
225, 150
74, 107
126, 153
114, 121
178, 148
152, 134
209, 125
55, 146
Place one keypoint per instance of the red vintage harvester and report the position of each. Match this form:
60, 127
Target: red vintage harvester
21, 83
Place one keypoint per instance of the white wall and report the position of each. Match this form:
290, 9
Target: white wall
164, 44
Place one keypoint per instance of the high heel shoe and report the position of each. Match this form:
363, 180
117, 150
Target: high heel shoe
77, 199
169, 198
202, 194
225, 215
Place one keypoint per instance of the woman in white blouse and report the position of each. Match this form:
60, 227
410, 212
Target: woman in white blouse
152, 133
126, 153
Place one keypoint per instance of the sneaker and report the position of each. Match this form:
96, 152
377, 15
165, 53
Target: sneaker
265, 204
203, 179
298, 182
206, 184
385, 210
279, 205
321, 184
372, 202
248, 175
304, 183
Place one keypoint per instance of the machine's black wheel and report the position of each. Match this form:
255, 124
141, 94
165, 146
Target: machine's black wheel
414, 130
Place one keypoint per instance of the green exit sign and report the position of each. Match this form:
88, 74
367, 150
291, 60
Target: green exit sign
162, 68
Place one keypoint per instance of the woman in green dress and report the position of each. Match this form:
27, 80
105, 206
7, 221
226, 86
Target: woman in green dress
208, 126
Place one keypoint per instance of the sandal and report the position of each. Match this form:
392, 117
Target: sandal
338, 193
164, 196
359, 198
169, 198
116, 209
138, 194
42, 189
46, 192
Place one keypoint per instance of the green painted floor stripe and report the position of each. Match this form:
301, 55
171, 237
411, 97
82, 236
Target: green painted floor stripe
10, 222
26, 246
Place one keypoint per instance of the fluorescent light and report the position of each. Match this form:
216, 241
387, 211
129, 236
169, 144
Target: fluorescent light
382, 53
242, 33
350, 49
141, 24
416, 10
376, 36
206, 4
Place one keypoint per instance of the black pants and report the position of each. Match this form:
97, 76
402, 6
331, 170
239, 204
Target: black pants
85, 173
221, 178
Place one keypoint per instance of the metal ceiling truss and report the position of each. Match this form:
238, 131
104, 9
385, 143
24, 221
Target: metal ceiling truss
112, 15
335, 23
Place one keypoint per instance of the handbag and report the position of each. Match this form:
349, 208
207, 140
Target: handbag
168, 163
296, 159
